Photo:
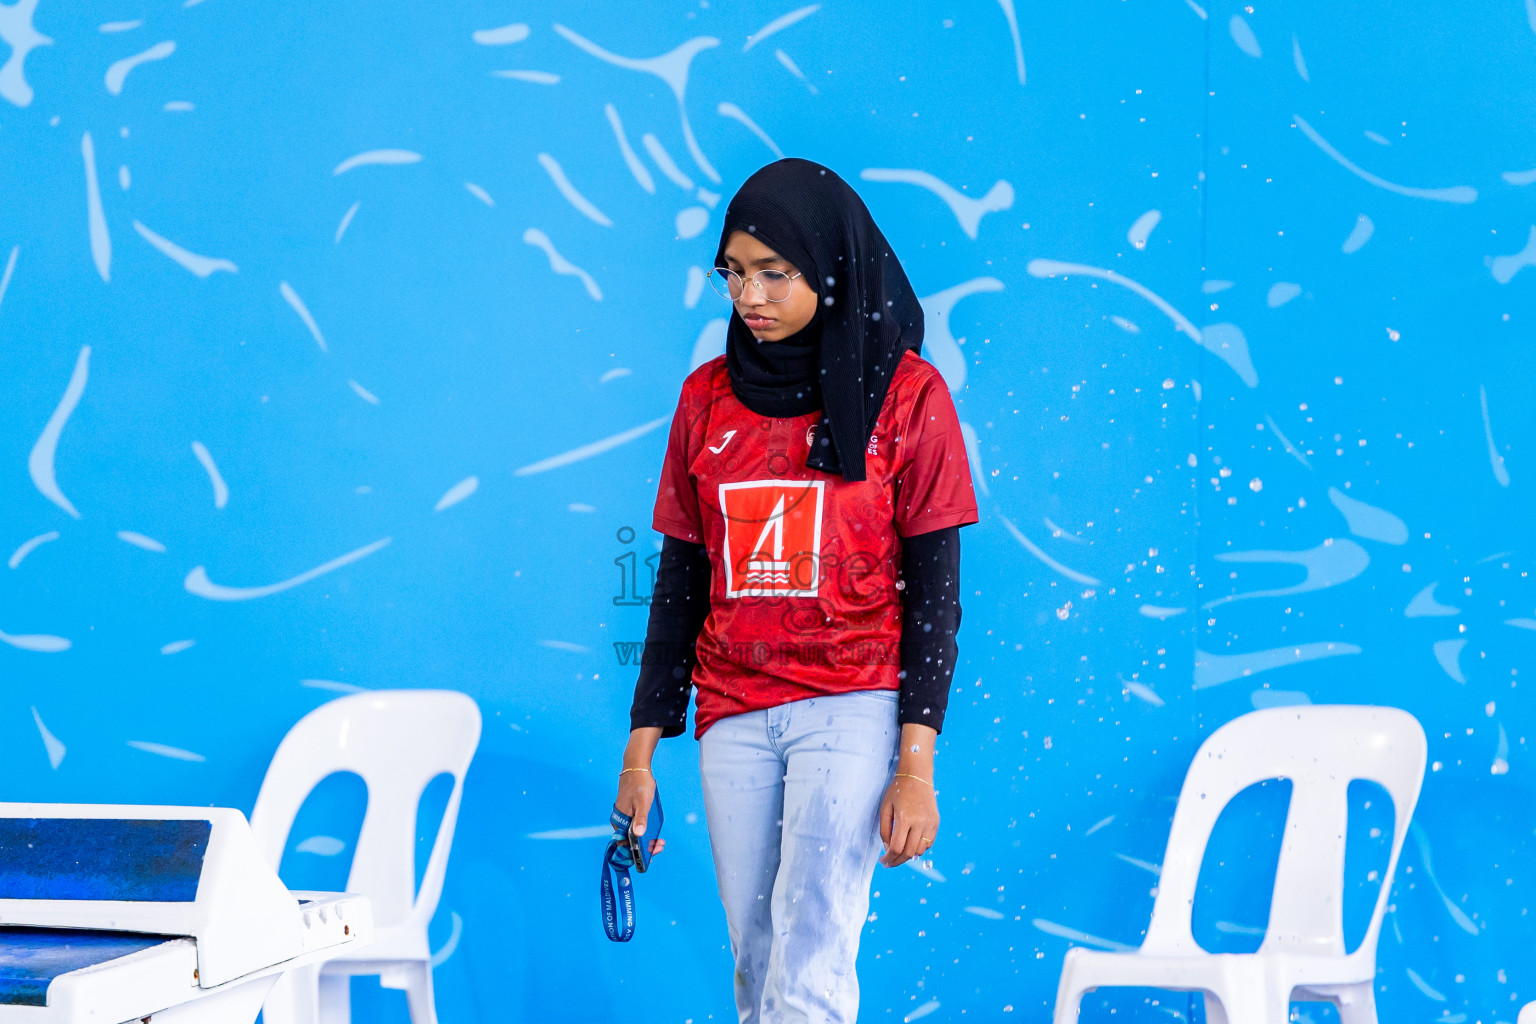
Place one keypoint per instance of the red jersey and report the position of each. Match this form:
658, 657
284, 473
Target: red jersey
803, 598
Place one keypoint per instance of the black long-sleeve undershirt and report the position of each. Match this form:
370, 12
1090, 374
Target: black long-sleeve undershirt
930, 618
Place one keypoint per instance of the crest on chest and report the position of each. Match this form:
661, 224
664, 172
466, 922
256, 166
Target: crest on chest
772, 539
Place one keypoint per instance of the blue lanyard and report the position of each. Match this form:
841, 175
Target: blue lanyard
618, 902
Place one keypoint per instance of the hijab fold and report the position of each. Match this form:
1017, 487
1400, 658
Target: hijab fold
868, 316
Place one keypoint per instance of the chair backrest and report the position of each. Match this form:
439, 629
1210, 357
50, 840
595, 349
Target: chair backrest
398, 741
1320, 749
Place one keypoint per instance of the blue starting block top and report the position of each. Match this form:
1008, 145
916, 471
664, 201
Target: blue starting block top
133, 859
30, 958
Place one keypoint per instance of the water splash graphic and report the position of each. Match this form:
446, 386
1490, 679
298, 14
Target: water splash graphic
198, 583
117, 74
28, 546
671, 67
967, 211
101, 241
202, 266
381, 157
292, 298
559, 264
1452, 194
1215, 669
51, 743
779, 24
586, 451
17, 31
40, 462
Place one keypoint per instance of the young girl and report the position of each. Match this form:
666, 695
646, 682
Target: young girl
814, 485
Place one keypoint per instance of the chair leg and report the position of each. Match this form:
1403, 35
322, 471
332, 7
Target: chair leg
418, 994
1246, 1004
1069, 1001
293, 998
1357, 1004
1215, 1012
334, 999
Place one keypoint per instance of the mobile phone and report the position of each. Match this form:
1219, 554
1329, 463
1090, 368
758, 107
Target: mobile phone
640, 846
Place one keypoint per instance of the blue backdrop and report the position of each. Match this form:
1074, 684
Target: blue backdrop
337, 345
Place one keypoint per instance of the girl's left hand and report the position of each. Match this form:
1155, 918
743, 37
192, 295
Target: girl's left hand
909, 820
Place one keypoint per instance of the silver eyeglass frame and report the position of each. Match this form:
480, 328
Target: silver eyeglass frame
719, 273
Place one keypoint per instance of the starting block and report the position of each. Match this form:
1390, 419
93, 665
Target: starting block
112, 914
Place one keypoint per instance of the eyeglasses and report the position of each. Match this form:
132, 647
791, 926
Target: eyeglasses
773, 285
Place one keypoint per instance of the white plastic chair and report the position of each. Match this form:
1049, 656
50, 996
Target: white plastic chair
398, 741
1321, 749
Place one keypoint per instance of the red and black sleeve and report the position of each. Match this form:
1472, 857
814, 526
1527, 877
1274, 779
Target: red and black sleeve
679, 605
930, 619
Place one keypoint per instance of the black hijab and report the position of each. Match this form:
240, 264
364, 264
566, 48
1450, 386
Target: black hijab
843, 360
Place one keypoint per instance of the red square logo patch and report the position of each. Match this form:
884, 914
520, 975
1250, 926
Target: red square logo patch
772, 537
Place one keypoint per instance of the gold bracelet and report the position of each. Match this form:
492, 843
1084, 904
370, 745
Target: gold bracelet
646, 770
919, 778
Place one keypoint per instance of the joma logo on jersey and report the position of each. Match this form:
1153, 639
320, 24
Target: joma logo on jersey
772, 537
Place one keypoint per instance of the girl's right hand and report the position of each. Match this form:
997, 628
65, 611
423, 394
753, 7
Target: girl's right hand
636, 791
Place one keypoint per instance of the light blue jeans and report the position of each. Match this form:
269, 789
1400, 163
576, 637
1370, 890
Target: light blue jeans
793, 795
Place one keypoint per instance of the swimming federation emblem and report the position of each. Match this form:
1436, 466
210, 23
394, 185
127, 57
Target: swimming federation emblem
772, 537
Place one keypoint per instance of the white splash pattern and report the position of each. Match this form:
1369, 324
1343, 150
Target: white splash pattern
40, 464
779, 24
587, 451
1424, 604
560, 265
1214, 669
292, 298
967, 210
457, 493
664, 162
52, 745
198, 583
10, 268
735, 113
346, 222
1142, 228
377, 158
788, 63
506, 34
117, 74
167, 751
529, 75
28, 546
101, 240
1360, 234
38, 643
1504, 268
1013, 32
1045, 559
140, 541
1452, 194
1367, 520
641, 173
940, 346
202, 266
215, 478
1225, 341
1062, 931
1332, 563
18, 32
1495, 457
672, 68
